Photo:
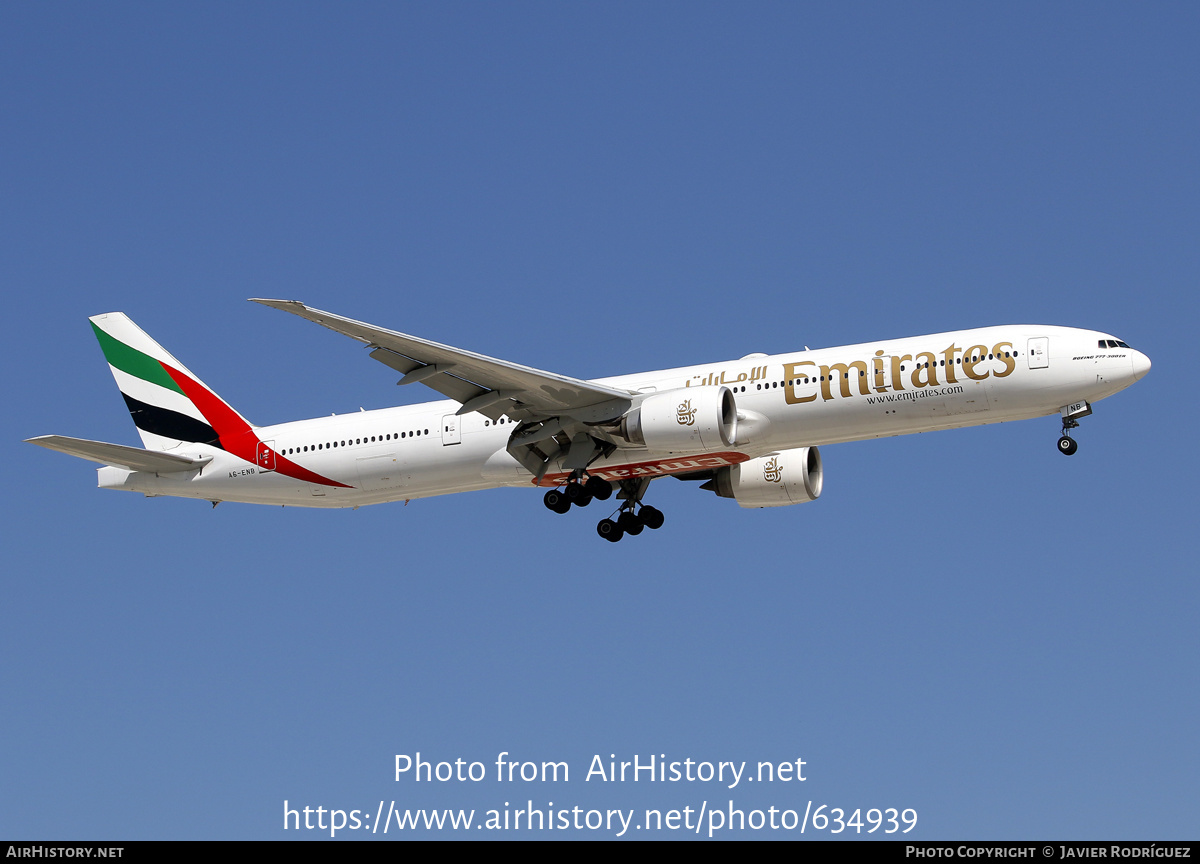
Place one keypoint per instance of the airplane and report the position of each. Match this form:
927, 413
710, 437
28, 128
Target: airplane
746, 429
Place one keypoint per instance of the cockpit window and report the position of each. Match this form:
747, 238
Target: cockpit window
1113, 343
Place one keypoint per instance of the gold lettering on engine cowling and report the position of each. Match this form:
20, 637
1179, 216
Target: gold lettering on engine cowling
791, 372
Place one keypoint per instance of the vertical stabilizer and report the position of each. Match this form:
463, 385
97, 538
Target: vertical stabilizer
169, 404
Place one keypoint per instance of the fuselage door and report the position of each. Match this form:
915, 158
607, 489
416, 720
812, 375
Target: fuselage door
1039, 352
881, 370
264, 456
451, 431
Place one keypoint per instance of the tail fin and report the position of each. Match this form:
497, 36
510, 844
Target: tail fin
169, 404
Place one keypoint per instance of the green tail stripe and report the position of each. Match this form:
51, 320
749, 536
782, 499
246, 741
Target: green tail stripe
134, 362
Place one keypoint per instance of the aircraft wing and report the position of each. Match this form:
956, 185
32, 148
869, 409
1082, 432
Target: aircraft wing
484, 384
133, 458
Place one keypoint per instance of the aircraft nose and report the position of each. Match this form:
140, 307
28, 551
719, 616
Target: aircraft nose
1141, 365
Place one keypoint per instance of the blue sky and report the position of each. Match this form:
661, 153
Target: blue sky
965, 623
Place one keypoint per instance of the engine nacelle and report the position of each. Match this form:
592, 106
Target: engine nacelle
788, 477
686, 420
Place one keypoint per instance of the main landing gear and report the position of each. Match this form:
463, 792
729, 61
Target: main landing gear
579, 492
630, 522
632, 516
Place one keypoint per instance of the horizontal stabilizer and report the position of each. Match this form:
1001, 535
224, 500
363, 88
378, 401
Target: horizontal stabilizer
132, 458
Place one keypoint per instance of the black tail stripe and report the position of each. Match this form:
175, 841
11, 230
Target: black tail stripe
170, 424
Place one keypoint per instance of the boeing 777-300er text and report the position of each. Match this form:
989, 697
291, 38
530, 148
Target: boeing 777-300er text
747, 429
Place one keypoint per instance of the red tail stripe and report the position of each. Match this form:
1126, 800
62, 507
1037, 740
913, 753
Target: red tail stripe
236, 435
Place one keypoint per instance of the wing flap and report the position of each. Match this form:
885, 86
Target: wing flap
132, 458
443, 382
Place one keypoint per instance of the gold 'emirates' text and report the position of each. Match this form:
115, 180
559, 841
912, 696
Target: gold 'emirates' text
882, 373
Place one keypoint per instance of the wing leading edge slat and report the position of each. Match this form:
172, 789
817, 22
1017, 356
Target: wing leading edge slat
522, 391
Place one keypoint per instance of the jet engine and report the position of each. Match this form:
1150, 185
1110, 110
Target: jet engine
783, 478
686, 420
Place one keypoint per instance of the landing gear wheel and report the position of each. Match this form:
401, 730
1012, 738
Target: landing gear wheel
609, 530
599, 488
574, 491
651, 517
630, 523
557, 501
1067, 446
584, 499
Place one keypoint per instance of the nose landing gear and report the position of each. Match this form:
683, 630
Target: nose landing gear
1070, 414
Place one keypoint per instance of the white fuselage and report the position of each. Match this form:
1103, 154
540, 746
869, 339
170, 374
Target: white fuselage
785, 401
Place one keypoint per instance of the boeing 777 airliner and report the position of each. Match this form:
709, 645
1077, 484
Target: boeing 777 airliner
747, 429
